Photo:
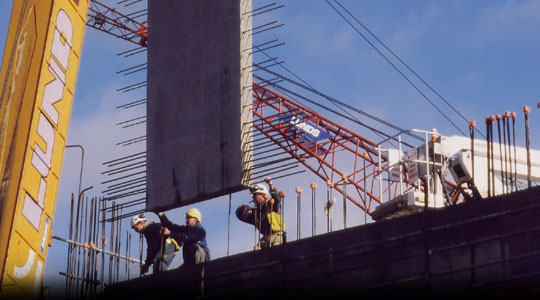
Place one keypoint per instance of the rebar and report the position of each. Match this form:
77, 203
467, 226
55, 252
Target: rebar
498, 117
526, 110
313, 214
298, 209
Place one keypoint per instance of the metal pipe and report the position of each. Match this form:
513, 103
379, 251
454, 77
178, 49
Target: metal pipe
329, 186
229, 225
345, 181
472, 125
527, 110
103, 242
298, 209
82, 163
511, 174
492, 120
101, 250
119, 240
70, 235
84, 254
313, 215
515, 154
498, 117
488, 157
281, 195
111, 247
365, 155
506, 177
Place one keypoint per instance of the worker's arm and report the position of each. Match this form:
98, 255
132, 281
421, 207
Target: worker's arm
274, 194
167, 223
153, 240
189, 236
245, 214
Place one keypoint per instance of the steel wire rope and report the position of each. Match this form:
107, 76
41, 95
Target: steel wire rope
336, 102
289, 92
395, 68
406, 65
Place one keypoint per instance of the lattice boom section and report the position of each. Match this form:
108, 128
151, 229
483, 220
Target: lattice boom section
334, 153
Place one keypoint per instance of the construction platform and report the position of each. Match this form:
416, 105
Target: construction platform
486, 248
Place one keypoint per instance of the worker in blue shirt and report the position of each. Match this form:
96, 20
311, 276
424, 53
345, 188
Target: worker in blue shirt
160, 250
191, 236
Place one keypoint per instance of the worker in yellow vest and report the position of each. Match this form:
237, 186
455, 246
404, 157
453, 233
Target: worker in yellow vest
265, 216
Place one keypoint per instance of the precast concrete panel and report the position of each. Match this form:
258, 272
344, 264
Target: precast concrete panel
199, 96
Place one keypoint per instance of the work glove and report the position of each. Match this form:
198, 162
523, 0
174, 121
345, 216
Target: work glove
243, 211
144, 269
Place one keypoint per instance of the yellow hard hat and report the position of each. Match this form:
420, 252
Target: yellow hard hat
195, 213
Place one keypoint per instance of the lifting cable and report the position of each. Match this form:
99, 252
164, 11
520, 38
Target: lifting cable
336, 102
355, 120
394, 66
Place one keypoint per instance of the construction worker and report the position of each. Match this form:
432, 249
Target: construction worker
192, 236
265, 216
160, 250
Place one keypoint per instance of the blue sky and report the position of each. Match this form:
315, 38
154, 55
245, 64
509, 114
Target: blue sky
481, 56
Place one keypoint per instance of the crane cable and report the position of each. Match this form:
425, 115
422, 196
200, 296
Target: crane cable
406, 65
336, 102
393, 65
350, 118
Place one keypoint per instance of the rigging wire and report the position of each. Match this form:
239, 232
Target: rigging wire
405, 64
287, 91
394, 66
336, 102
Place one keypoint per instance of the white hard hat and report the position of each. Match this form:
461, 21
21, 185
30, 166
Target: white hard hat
259, 189
195, 213
136, 219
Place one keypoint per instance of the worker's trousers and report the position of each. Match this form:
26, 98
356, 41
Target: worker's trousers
194, 254
162, 262
271, 240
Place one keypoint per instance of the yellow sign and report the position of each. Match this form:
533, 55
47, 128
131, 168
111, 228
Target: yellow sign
39, 72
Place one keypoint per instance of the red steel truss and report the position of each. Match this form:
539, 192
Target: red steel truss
336, 154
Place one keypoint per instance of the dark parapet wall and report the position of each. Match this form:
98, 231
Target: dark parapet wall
198, 93
486, 248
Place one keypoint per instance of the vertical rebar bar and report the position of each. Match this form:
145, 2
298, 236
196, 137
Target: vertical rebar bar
526, 110
329, 186
70, 246
118, 241
492, 121
281, 195
345, 181
488, 157
515, 154
129, 255
141, 248
229, 225
298, 209
366, 209
510, 172
78, 239
103, 243
111, 247
472, 125
313, 214
498, 117
506, 177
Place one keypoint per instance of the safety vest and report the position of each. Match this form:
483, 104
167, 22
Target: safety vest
274, 218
